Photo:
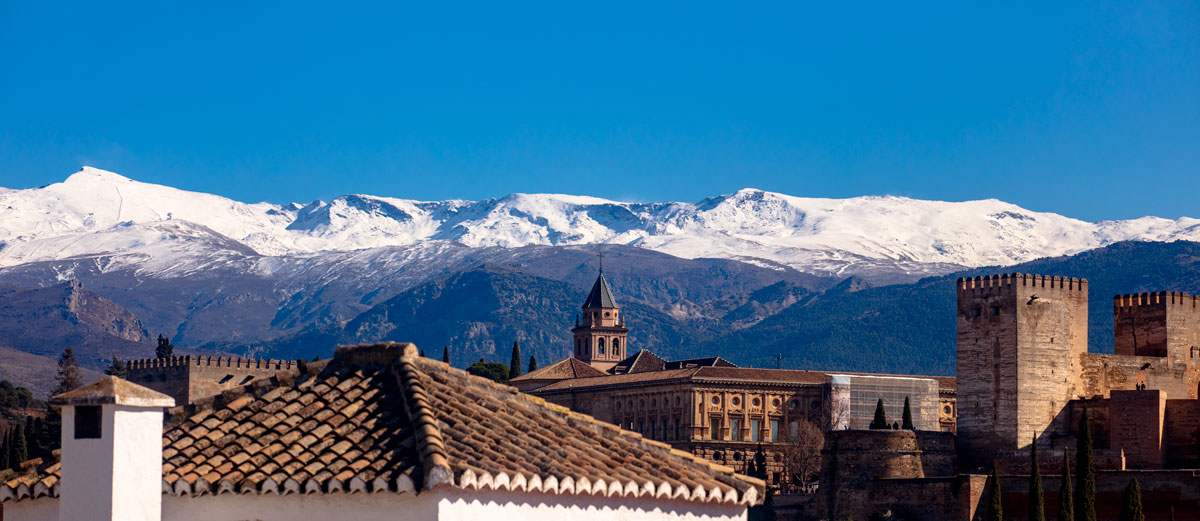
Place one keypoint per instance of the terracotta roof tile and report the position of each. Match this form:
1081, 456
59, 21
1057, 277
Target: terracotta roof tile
563, 369
407, 423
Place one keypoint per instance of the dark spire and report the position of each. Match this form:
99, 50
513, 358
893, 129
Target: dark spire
601, 296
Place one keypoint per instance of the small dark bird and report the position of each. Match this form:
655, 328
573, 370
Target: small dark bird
1031, 299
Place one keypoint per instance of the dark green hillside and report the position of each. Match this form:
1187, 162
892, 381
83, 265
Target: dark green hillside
479, 313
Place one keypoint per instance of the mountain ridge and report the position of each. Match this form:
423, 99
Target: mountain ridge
880, 238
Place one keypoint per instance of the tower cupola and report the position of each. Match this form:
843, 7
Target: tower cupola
601, 333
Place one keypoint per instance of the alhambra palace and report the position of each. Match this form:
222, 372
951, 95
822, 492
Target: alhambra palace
1023, 373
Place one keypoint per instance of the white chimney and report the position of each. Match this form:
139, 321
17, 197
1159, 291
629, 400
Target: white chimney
111, 452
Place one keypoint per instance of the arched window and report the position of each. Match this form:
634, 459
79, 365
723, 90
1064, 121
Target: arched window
600, 344
616, 345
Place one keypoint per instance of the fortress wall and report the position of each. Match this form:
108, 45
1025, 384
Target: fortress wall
1102, 374
189, 378
1181, 433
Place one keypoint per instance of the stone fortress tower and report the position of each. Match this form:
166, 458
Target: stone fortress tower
1020, 342
1024, 371
600, 337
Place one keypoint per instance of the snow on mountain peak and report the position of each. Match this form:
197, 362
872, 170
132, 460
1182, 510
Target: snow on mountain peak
820, 235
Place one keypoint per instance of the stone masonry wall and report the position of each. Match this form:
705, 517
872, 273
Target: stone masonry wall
1021, 340
1135, 425
1163, 324
190, 378
1181, 434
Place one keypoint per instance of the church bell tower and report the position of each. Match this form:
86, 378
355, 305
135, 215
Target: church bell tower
600, 333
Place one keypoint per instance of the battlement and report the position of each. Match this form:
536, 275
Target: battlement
213, 361
1129, 303
1010, 281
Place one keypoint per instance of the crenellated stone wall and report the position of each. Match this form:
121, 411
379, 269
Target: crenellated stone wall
190, 378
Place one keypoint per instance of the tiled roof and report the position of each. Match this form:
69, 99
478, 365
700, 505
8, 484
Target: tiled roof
601, 296
371, 421
561, 370
32, 479
712, 361
641, 362
724, 373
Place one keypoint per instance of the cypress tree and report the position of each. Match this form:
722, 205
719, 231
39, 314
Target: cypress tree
31, 437
907, 422
514, 363
532, 364
1066, 505
115, 368
446, 354
880, 421
4, 449
1036, 500
165, 349
423, 353
1085, 484
20, 450
68, 372
1131, 503
995, 509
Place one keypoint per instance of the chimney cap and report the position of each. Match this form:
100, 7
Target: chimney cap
111, 390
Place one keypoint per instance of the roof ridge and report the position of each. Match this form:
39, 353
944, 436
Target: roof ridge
435, 467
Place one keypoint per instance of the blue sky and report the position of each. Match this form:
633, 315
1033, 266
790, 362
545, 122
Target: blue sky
1091, 110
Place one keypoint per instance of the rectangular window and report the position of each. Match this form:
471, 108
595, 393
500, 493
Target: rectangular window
653, 429
774, 431
677, 428
755, 425
793, 430
642, 427
87, 422
714, 425
735, 429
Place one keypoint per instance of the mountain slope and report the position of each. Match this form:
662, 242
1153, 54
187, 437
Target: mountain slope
880, 238
44, 321
480, 312
910, 328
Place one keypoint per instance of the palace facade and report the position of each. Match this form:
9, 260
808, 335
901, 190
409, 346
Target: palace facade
712, 408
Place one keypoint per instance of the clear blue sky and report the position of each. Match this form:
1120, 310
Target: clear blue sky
1087, 110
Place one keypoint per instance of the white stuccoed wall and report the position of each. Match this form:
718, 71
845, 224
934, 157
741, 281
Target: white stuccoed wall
116, 476
492, 505
440, 505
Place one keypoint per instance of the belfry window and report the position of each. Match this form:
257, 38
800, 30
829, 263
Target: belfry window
616, 344
600, 345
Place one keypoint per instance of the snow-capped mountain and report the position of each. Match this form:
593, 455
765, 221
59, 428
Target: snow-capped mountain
99, 212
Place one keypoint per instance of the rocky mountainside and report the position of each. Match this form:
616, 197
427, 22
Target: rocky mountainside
44, 321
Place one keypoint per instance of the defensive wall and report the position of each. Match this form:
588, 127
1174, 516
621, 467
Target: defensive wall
1160, 489
856, 463
189, 378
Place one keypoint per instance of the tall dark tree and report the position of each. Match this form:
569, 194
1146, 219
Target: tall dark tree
31, 436
446, 354
68, 373
532, 364
494, 371
1037, 499
880, 421
20, 449
514, 363
1131, 503
906, 422
423, 353
165, 349
995, 506
1085, 484
1066, 504
5, 449
115, 368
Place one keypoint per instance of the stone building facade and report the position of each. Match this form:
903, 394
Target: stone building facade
191, 378
712, 408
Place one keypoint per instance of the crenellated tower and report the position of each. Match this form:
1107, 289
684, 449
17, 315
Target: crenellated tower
600, 332
1021, 343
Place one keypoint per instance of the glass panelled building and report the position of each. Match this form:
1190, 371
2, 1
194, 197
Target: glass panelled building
854, 398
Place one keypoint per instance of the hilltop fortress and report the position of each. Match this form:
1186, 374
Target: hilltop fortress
1024, 372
